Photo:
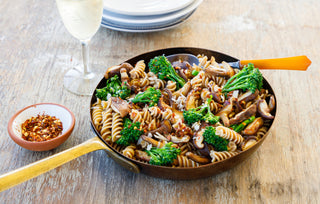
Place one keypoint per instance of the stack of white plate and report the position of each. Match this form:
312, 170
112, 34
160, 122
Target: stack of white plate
146, 15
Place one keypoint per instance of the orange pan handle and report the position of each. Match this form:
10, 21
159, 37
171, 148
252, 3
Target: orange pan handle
300, 63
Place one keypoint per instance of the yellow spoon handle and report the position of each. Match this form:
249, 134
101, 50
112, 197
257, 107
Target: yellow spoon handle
300, 63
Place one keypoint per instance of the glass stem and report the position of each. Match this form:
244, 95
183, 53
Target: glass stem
85, 56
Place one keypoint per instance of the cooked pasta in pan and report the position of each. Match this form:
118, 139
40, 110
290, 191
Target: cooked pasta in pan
182, 116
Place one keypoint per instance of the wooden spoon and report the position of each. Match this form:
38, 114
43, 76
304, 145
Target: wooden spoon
300, 63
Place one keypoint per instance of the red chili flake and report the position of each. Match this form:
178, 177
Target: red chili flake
41, 128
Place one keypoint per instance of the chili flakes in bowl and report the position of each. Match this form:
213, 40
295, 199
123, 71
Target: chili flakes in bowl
41, 128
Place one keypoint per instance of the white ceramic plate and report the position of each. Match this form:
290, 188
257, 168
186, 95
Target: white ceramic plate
145, 7
144, 29
148, 27
158, 20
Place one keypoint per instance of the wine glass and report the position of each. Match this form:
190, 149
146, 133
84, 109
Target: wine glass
82, 19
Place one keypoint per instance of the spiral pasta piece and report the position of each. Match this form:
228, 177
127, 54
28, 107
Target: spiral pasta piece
167, 114
202, 60
117, 147
214, 107
218, 156
196, 82
129, 151
232, 146
220, 81
171, 86
205, 94
138, 70
144, 82
107, 123
105, 104
196, 68
153, 125
207, 81
261, 132
186, 147
97, 114
183, 161
155, 81
117, 126
229, 134
146, 116
136, 116
155, 112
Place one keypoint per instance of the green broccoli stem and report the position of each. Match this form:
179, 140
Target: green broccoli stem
242, 125
241, 86
248, 78
161, 66
177, 79
231, 80
236, 81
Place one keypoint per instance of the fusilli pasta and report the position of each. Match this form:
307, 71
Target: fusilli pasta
138, 70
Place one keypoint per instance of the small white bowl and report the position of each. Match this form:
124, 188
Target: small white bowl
59, 111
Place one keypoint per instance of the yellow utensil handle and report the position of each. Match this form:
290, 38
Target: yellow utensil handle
300, 63
30, 171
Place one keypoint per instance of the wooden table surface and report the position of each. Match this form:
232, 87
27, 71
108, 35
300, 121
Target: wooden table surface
36, 50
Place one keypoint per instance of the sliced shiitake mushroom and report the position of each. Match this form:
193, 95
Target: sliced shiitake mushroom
197, 158
178, 140
120, 106
184, 90
248, 96
111, 71
198, 139
253, 127
272, 103
164, 129
264, 110
192, 99
243, 115
223, 71
142, 155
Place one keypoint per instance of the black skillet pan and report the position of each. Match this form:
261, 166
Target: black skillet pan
97, 143
194, 172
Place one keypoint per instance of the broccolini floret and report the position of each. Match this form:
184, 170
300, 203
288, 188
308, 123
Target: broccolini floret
210, 117
162, 67
114, 88
218, 143
130, 133
249, 78
200, 113
194, 114
150, 96
163, 156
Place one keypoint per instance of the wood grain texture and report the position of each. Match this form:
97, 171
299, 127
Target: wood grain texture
36, 50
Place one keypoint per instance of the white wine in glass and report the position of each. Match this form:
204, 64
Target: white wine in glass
82, 19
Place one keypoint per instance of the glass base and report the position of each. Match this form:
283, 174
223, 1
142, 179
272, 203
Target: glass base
78, 83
